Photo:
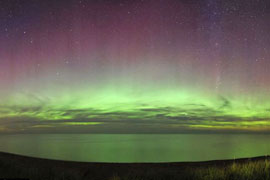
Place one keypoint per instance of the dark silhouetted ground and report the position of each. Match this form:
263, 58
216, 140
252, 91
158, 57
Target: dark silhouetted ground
16, 166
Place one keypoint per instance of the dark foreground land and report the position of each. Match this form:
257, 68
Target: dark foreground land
16, 166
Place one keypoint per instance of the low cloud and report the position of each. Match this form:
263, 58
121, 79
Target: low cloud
190, 118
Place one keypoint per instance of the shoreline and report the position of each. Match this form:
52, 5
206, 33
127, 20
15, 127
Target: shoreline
244, 159
18, 166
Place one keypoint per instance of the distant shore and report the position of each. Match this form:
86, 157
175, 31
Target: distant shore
17, 166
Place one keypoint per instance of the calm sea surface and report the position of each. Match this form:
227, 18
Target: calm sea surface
136, 148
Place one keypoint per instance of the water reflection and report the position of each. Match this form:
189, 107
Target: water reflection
137, 147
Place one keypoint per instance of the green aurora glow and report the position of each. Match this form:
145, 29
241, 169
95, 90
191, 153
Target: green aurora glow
141, 67
175, 110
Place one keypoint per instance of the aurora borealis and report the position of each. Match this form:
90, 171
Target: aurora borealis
142, 66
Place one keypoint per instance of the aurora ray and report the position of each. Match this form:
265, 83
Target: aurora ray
134, 66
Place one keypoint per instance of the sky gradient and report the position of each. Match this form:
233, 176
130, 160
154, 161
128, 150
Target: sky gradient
142, 66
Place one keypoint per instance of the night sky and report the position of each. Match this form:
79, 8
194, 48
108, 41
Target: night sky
141, 66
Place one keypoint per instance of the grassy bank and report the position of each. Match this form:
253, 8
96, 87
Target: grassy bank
15, 166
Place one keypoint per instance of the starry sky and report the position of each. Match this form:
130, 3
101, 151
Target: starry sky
134, 66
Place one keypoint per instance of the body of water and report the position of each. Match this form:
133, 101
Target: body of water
137, 147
